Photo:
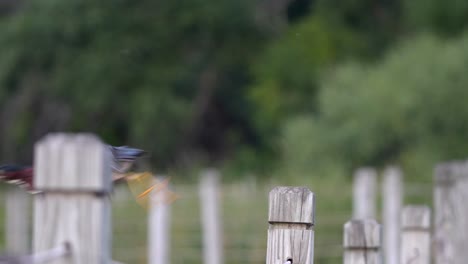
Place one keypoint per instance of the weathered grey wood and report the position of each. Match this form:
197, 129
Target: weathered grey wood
291, 217
364, 193
74, 174
416, 235
392, 200
451, 213
17, 221
362, 242
159, 226
211, 217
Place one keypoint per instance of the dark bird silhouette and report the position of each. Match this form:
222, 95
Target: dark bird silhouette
123, 159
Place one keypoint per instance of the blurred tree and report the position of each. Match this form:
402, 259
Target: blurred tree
409, 108
446, 17
286, 76
160, 75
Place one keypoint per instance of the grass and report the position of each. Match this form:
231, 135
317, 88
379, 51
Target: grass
244, 214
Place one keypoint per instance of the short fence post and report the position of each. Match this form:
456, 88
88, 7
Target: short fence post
451, 213
159, 226
364, 193
291, 217
362, 242
416, 235
392, 200
73, 173
211, 217
17, 221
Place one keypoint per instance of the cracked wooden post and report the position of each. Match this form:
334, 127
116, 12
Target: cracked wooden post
73, 174
291, 217
362, 242
392, 200
364, 193
416, 235
451, 213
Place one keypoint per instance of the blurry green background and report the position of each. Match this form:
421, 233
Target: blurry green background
297, 91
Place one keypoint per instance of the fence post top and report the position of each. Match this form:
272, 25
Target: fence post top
362, 234
291, 205
365, 171
66, 161
448, 172
393, 170
416, 217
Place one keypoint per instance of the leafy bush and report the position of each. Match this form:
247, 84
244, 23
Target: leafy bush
410, 108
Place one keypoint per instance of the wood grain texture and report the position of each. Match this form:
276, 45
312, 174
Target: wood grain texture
72, 162
362, 242
416, 235
451, 213
392, 200
364, 193
291, 229
71, 170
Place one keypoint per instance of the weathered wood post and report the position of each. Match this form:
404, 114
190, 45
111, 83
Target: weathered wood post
291, 217
73, 172
392, 200
17, 221
451, 213
364, 193
362, 242
159, 226
211, 217
416, 235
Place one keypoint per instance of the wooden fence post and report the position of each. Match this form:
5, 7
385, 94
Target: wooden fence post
416, 235
392, 200
159, 226
362, 242
17, 221
291, 217
73, 172
211, 217
451, 213
364, 193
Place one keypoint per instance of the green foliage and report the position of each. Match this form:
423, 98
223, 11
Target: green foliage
131, 71
410, 108
286, 76
446, 17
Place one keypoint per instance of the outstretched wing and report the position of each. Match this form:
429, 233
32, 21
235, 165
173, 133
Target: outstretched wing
144, 185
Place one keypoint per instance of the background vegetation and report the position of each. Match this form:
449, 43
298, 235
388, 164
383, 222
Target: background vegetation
303, 91
248, 85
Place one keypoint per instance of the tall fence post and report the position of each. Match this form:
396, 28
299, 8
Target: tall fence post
73, 173
211, 217
291, 217
451, 213
362, 242
159, 226
392, 200
17, 221
364, 193
416, 235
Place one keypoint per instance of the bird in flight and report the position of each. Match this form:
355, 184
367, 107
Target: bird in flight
123, 159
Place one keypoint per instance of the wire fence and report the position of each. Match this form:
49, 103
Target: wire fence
244, 221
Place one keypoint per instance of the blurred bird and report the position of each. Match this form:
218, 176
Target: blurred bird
123, 159
17, 174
